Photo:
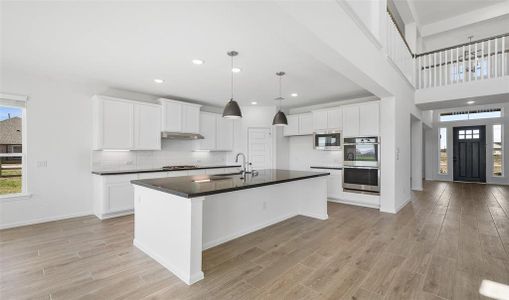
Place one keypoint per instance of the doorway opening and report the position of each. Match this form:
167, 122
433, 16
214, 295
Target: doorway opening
469, 158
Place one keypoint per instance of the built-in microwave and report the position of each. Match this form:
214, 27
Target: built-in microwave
330, 140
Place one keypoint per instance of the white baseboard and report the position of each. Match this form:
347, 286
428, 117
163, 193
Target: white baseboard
238, 234
187, 279
369, 205
45, 220
115, 214
403, 204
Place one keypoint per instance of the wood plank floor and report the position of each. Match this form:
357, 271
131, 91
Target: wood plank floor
440, 246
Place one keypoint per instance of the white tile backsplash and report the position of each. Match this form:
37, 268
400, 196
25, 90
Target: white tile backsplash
173, 152
302, 154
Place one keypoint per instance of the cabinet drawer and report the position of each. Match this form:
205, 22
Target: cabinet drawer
152, 175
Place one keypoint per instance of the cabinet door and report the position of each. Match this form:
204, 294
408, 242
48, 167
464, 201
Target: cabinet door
351, 121
172, 116
117, 125
293, 125
119, 193
334, 119
306, 124
191, 118
319, 120
369, 119
147, 127
208, 130
224, 134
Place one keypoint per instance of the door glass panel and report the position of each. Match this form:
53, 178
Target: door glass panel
443, 151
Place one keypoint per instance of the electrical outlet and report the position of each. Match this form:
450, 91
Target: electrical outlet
129, 162
264, 205
42, 164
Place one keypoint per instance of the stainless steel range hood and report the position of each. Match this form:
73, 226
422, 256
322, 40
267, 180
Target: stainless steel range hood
181, 136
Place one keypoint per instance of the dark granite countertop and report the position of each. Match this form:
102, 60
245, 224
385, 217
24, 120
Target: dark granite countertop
134, 171
327, 167
203, 185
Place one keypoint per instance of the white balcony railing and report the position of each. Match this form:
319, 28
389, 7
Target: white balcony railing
481, 60
398, 50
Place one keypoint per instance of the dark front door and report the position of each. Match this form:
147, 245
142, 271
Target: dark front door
470, 153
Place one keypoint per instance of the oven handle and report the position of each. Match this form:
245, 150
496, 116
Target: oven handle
360, 167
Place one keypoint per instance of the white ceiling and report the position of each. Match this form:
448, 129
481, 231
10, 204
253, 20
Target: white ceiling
128, 44
430, 11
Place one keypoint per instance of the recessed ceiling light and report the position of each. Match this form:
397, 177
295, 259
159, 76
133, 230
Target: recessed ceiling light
235, 70
158, 80
294, 94
471, 102
197, 61
254, 102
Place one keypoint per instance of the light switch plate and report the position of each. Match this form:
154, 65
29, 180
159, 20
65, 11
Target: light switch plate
42, 164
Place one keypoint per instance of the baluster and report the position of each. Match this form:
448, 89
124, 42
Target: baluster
475, 61
419, 72
504, 67
434, 69
482, 61
457, 65
449, 68
439, 68
429, 70
496, 58
470, 62
463, 64
489, 59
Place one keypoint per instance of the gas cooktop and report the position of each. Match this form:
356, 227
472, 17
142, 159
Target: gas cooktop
184, 167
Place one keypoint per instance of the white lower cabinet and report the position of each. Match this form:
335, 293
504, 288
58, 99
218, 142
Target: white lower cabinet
335, 184
114, 194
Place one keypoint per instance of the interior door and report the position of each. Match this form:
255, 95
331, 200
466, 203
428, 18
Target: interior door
469, 153
260, 148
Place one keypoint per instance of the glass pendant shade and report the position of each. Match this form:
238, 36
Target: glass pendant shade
232, 110
280, 119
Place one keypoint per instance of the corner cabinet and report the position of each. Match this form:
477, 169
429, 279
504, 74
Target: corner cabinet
121, 124
217, 132
180, 116
361, 119
299, 124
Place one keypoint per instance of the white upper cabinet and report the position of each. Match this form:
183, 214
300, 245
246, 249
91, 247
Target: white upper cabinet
361, 119
327, 119
299, 124
369, 115
306, 124
319, 120
180, 116
334, 119
190, 118
121, 124
293, 125
147, 127
208, 130
224, 139
350, 120
217, 132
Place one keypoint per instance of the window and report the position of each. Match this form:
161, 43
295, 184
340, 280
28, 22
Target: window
468, 134
471, 115
498, 148
442, 164
12, 157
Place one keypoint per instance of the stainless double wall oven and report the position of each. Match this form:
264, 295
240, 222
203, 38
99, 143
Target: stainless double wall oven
361, 164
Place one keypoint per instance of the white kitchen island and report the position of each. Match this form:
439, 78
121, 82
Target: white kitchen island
177, 218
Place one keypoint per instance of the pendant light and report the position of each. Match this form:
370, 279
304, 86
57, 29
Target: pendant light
232, 109
280, 118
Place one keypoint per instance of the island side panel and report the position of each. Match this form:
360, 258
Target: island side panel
168, 228
313, 198
230, 215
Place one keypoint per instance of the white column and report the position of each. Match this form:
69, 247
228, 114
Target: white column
417, 136
389, 154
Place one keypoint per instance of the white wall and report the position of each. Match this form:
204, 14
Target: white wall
173, 152
303, 155
432, 138
59, 129
253, 117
